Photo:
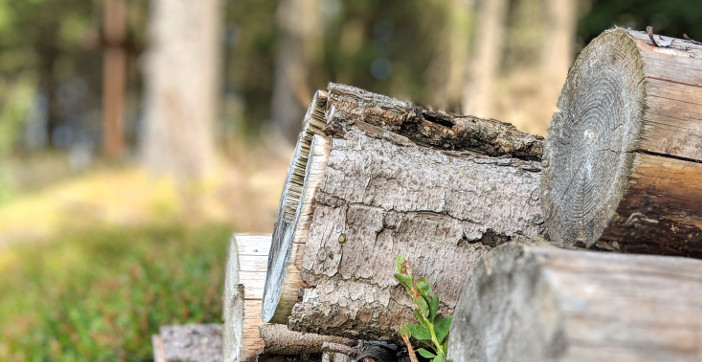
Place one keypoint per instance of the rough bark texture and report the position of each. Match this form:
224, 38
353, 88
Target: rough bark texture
623, 160
524, 303
190, 342
245, 336
434, 128
368, 194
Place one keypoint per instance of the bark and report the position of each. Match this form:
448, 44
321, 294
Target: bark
245, 336
547, 304
485, 63
181, 84
623, 161
368, 194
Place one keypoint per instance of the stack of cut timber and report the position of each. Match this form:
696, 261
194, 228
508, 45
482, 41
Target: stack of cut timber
622, 172
373, 176
623, 158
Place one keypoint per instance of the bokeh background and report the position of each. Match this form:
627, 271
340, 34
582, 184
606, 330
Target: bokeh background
137, 135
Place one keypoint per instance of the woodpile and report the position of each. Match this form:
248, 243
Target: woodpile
462, 199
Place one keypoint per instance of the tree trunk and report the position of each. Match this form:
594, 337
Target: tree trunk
357, 197
181, 102
245, 336
623, 162
299, 49
546, 304
478, 99
114, 77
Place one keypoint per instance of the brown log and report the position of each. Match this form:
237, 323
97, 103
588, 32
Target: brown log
623, 159
525, 303
245, 336
359, 195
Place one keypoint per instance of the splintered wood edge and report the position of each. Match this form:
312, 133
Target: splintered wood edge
589, 151
277, 302
233, 304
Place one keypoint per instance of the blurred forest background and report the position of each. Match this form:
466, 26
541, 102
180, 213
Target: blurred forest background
136, 135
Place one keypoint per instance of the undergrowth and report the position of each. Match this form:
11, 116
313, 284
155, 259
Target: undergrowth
100, 293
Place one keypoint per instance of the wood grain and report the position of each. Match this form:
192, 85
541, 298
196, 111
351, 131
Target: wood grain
622, 160
547, 304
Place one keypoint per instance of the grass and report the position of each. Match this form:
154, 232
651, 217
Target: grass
98, 293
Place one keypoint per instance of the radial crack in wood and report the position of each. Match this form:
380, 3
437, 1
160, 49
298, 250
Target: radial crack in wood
623, 158
524, 303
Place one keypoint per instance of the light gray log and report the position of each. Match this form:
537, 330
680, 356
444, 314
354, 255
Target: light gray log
190, 342
524, 303
623, 160
366, 194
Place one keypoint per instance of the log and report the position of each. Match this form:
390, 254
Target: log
363, 194
525, 303
245, 336
623, 157
189, 342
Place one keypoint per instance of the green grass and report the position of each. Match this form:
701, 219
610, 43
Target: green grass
101, 292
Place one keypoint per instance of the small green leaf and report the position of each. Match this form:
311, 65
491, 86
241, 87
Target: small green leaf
419, 316
419, 332
423, 306
439, 358
405, 332
424, 288
399, 260
442, 327
425, 353
405, 280
433, 307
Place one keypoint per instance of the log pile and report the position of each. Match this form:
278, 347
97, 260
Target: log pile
462, 199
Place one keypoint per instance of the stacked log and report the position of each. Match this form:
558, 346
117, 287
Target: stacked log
373, 176
525, 303
623, 158
246, 337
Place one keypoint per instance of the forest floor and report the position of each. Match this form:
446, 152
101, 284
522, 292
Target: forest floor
94, 262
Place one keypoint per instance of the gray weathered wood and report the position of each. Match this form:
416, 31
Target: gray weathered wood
246, 337
190, 342
368, 193
623, 159
524, 303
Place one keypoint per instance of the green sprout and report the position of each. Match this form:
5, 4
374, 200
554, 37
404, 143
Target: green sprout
432, 329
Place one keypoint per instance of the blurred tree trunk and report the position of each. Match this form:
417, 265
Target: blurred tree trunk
114, 77
448, 71
478, 99
557, 51
299, 51
181, 81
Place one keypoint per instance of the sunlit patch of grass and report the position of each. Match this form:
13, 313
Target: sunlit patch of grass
99, 292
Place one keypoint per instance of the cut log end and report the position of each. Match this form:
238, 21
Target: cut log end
277, 301
588, 152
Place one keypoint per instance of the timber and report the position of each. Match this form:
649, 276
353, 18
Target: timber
245, 336
526, 303
623, 157
365, 192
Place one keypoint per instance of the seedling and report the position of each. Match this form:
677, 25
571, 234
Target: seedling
432, 329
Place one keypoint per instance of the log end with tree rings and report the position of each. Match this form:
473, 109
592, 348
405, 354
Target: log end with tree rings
620, 170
